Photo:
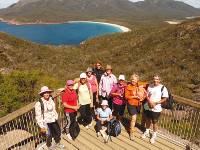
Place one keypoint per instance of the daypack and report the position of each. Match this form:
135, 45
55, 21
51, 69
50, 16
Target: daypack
74, 130
168, 104
42, 107
114, 128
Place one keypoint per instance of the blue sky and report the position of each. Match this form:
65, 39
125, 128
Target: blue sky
194, 3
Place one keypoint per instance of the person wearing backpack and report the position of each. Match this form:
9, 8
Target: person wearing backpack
134, 95
85, 98
155, 97
104, 115
70, 103
107, 81
46, 117
118, 94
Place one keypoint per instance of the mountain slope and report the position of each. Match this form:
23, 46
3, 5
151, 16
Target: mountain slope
171, 51
64, 10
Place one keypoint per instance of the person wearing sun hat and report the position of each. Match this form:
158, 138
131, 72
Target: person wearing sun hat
107, 81
85, 98
47, 118
70, 103
118, 94
104, 115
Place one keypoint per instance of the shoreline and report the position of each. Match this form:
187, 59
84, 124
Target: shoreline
13, 22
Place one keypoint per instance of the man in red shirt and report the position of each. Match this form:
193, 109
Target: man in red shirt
69, 100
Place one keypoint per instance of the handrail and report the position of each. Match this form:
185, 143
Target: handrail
186, 101
17, 113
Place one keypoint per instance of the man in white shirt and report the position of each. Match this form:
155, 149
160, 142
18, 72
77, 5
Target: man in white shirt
155, 96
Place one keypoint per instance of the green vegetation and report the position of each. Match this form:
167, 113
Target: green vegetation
171, 51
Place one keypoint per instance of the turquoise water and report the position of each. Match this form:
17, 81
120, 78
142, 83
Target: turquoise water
58, 34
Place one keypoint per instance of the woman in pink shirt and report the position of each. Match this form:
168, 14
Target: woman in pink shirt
117, 93
92, 80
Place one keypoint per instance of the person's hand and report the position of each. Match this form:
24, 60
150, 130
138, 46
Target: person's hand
43, 130
102, 122
152, 105
76, 108
108, 119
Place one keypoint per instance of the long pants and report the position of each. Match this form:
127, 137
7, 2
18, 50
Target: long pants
54, 132
71, 120
85, 114
99, 125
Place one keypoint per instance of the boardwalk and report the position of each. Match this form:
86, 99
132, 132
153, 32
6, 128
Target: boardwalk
87, 140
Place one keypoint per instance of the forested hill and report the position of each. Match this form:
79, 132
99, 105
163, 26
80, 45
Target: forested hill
65, 10
171, 51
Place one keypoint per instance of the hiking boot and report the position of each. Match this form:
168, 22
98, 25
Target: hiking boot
152, 140
51, 148
69, 136
59, 145
131, 136
145, 134
98, 134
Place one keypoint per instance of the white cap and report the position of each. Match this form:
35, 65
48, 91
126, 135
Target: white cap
83, 75
104, 102
121, 77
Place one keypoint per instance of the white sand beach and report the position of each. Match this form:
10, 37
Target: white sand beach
124, 29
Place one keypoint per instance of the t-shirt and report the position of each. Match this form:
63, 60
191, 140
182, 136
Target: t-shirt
84, 96
154, 93
119, 89
104, 114
71, 98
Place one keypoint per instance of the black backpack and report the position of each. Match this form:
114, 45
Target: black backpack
168, 104
114, 128
74, 130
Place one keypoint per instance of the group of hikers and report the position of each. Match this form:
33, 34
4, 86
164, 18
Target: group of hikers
98, 95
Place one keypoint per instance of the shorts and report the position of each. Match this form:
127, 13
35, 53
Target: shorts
154, 116
133, 110
118, 110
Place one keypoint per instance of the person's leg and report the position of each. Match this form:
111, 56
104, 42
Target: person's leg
57, 132
110, 102
82, 114
121, 112
49, 135
98, 126
88, 116
148, 115
155, 118
68, 122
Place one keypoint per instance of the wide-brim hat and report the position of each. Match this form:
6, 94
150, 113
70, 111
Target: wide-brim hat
108, 67
44, 89
89, 69
104, 102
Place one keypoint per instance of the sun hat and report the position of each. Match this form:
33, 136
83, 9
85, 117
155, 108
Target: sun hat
89, 69
104, 102
83, 75
44, 89
108, 67
70, 82
121, 77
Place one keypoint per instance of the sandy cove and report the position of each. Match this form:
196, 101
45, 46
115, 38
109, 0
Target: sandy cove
14, 22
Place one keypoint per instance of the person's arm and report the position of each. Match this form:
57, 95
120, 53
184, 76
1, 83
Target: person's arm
100, 85
39, 116
97, 96
71, 107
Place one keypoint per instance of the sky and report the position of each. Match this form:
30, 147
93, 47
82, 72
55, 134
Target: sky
194, 3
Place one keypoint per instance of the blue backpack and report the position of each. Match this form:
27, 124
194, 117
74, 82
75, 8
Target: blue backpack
114, 128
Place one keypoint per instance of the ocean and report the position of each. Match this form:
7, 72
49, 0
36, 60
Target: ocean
59, 34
